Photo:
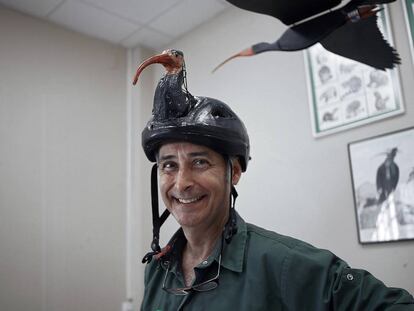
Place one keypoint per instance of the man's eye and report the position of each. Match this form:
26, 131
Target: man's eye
201, 163
168, 166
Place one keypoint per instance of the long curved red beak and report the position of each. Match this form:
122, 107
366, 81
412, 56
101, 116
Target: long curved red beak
245, 52
163, 58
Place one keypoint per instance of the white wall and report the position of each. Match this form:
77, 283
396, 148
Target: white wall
295, 184
62, 168
139, 206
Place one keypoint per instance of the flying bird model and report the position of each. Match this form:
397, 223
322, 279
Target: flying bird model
350, 31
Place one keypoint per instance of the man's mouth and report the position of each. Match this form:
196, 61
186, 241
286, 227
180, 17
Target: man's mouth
189, 200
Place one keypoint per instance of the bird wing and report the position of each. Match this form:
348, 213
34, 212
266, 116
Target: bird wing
363, 42
396, 174
288, 11
380, 177
304, 35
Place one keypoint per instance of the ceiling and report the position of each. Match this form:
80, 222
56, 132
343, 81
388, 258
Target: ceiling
149, 23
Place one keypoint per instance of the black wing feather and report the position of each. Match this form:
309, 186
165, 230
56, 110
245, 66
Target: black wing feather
288, 11
305, 34
363, 41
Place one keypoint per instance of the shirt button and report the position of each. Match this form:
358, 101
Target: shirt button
205, 262
350, 277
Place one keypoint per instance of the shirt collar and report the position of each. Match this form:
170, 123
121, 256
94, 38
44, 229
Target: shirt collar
233, 253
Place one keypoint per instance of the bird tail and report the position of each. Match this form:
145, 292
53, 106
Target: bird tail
246, 52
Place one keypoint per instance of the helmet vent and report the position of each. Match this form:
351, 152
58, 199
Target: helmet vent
218, 113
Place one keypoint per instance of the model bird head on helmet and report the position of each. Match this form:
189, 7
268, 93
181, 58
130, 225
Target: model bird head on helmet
179, 116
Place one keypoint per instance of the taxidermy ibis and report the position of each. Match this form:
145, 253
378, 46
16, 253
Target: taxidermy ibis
171, 98
350, 31
388, 175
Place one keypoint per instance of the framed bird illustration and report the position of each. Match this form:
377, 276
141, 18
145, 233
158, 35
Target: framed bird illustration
409, 17
382, 170
344, 93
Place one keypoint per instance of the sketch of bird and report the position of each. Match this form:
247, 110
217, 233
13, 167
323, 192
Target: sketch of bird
377, 79
388, 175
380, 102
350, 31
171, 98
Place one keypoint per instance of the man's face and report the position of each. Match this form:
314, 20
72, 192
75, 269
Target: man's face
194, 185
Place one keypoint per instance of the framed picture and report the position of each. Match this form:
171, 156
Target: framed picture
409, 17
382, 170
344, 93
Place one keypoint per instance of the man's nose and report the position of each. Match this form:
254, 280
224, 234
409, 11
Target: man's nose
184, 179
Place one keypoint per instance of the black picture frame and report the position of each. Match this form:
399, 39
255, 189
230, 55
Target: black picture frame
382, 173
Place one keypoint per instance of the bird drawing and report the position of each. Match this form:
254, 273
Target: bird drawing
171, 99
388, 175
350, 31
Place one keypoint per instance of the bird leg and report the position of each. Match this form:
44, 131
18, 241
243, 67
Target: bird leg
361, 12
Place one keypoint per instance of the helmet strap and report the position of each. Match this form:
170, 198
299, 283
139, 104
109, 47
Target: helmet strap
231, 226
157, 221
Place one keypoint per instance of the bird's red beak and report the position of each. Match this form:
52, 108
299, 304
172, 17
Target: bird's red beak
246, 52
164, 58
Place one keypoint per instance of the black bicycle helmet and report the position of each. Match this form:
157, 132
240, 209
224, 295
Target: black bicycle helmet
210, 123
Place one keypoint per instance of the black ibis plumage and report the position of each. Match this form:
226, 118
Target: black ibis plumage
171, 98
350, 31
388, 175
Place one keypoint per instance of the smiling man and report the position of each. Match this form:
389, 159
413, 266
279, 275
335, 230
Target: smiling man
217, 261
193, 181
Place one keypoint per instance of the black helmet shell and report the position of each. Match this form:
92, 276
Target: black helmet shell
210, 123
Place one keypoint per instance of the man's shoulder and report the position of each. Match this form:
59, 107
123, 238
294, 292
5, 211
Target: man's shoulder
288, 250
271, 238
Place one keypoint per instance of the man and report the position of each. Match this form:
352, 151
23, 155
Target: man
216, 261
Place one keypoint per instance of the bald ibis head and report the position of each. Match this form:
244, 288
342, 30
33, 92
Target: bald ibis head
392, 153
172, 60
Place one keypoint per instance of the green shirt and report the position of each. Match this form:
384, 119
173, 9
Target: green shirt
262, 270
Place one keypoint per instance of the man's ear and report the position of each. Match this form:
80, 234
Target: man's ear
237, 171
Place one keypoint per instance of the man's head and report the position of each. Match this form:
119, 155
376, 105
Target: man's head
195, 183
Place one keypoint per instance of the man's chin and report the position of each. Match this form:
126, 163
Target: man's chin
187, 220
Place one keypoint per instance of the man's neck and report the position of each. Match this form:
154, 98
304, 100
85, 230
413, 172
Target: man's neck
199, 246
